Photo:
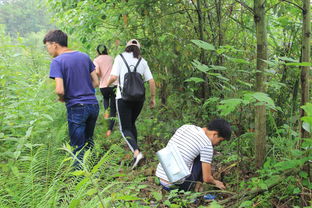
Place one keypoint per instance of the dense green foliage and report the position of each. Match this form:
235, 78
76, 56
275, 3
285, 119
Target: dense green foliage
22, 17
202, 55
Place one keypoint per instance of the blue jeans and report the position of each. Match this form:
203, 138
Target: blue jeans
81, 123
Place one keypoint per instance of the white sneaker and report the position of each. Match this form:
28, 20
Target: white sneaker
138, 158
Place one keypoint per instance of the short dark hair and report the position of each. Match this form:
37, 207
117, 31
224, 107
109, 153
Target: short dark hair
101, 52
57, 36
222, 127
134, 49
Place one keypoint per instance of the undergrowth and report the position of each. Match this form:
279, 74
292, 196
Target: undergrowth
35, 158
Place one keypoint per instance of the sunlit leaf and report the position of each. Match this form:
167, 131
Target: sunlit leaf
204, 45
127, 198
288, 59
201, 67
74, 203
298, 64
195, 79
78, 173
90, 192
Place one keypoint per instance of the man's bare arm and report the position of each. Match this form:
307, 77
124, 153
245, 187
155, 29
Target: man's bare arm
208, 178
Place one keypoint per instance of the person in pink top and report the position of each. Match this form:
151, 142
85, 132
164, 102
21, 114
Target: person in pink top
103, 66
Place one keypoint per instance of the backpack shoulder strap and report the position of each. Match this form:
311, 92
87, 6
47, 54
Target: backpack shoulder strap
123, 58
135, 68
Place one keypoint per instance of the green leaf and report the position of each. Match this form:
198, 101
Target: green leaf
81, 183
141, 186
201, 67
264, 98
15, 171
28, 132
90, 192
246, 204
67, 159
204, 45
306, 126
48, 117
214, 204
102, 161
195, 79
288, 59
74, 203
86, 155
214, 67
298, 64
303, 174
307, 109
17, 154
127, 198
167, 202
307, 143
228, 106
237, 60
78, 173
157, 195
244, 83
263, 186
296, 190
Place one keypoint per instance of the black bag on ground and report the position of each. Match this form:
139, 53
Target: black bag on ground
133, 86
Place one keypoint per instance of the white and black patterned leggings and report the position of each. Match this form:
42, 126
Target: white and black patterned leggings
128, 112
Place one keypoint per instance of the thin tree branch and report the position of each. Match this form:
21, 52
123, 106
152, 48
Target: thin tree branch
190, 18
290, 2
244, 26
179, 11
246, 6
273, 6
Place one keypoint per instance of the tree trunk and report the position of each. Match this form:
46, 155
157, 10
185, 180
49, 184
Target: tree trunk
306, 32
218, 4
262, 54
204, 89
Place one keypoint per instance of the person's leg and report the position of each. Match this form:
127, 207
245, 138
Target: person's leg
76, 117
93, 112
136, 110
105, 94
112, 108
125, 121
196, 175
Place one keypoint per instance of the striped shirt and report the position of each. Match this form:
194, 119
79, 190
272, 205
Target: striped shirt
191, 141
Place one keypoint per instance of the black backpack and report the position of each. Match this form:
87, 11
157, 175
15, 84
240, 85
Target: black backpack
133, 86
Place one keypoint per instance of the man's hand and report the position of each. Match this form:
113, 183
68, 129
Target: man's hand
61, 98
219, 184
152, 102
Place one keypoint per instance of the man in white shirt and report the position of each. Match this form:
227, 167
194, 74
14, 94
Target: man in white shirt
196, 147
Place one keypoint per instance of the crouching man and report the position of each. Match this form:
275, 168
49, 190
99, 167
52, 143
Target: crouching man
195, 145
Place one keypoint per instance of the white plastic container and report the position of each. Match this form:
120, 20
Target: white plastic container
173, 164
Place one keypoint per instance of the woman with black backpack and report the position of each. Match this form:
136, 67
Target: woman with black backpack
132, 71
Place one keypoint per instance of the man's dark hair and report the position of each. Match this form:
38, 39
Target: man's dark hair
134, 49
57, 36
103, 51
222, 127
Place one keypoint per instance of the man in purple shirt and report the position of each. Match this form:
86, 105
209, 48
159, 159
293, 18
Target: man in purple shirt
75, 77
